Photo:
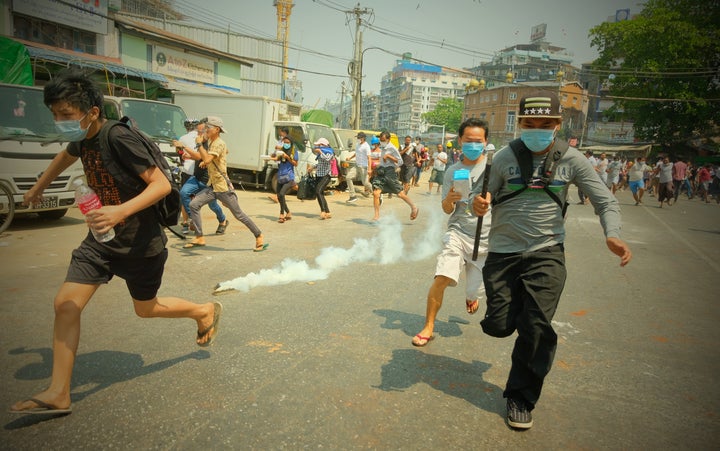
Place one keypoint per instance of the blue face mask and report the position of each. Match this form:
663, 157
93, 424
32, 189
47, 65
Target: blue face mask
72, 130
537, 139
472, 151
286, 146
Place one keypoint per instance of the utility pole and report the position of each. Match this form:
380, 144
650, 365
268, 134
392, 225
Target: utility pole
284, 8
355, 68
342, 105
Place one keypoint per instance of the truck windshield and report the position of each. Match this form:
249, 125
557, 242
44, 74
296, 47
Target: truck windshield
317, 131
24, 116
161, 121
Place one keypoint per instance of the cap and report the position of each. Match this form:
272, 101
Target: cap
360, 135
540, 104
449, 144
490, 146
216, 122
322, 142
374, 140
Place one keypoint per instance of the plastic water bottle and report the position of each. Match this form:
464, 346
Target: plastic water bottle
87, 200
461, 183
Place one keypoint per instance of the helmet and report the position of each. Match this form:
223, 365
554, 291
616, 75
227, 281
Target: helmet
490, 146
374, 140
449, 145
191, 122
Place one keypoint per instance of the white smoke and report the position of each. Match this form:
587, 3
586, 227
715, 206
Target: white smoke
387, 247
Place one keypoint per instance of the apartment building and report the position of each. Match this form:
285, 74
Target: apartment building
498, 106
411, 89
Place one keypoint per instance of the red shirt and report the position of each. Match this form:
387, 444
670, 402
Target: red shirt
704, 175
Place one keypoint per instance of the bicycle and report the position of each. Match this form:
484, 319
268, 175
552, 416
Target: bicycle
7, 207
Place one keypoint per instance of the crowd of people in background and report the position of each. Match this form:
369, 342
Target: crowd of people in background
664, 180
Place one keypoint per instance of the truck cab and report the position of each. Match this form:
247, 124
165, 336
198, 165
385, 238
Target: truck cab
161, 121
303, 135
28, 143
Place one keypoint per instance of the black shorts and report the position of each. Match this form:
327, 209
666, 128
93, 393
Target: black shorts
386, 180
142, 275
407, 173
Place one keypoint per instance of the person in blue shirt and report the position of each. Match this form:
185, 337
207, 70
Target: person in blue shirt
287, 160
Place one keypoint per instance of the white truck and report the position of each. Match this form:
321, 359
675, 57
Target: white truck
29, 142
163, 122
252, 125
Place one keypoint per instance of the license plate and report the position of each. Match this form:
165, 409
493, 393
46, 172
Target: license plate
48, 202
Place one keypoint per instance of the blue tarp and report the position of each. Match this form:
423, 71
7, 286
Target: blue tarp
118, 70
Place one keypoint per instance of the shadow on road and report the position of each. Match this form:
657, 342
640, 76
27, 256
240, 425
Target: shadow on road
411, 323
93, 372
451, 376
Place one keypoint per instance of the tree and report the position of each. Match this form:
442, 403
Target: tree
663, 69
447, 112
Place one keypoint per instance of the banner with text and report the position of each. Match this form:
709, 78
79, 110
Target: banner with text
176, 63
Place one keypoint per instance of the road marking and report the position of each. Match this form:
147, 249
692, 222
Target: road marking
694, 249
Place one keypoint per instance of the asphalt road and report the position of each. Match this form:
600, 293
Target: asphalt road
314, 349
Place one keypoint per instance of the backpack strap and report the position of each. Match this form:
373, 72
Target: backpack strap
114, 162
524, 159
550, 168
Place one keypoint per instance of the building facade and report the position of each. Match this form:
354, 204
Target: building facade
142, 56
498, 106
411, 89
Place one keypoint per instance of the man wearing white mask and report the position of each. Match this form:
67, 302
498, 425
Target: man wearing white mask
524, 272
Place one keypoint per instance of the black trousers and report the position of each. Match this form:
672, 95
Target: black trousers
523, 291
320, 191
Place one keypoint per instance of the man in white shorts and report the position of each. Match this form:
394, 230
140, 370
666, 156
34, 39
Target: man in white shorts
459, 240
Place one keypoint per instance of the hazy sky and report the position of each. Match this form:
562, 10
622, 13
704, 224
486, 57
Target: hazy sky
454, 33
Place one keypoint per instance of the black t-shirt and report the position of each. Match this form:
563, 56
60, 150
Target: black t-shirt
139, 235
202, 173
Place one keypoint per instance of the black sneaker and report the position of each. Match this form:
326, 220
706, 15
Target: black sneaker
518, 414
352, 199
221, 227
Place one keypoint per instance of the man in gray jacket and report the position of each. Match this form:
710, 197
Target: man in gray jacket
524, 272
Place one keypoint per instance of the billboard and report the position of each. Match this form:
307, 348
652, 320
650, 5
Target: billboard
88, 15
538, 32
176, 63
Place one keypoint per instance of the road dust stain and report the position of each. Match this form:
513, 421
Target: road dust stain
579, 313
660, 339
562, 364
272, 347
343, 336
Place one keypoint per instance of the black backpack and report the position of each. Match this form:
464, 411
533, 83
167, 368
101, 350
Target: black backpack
167, 209
524, 158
